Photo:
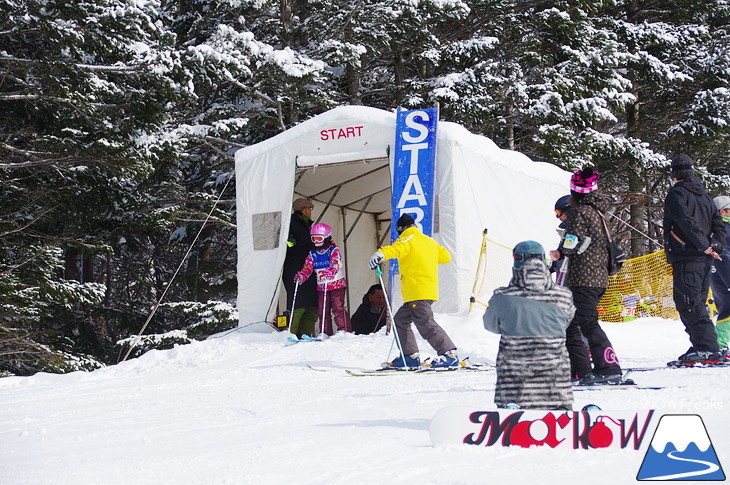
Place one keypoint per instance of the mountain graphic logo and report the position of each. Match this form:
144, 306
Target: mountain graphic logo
681, 450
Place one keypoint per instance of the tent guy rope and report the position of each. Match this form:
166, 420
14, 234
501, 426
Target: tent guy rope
137, 337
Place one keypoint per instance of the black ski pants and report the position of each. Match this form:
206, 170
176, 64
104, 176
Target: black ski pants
691, 283
585, 324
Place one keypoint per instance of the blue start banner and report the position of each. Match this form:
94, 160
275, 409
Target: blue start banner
414, 165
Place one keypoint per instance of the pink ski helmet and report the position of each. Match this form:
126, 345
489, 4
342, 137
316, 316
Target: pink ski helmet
319, 233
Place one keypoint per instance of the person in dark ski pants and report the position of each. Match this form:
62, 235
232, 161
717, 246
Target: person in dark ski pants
720, 279
531, 315
418, 257
694, 234
304, 316
586, 243
371, 315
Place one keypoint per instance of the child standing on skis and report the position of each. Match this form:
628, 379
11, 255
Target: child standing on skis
325, 260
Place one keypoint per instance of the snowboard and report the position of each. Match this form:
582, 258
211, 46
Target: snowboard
624, 384
525, 428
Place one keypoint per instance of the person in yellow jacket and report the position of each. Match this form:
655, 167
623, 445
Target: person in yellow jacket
418, 259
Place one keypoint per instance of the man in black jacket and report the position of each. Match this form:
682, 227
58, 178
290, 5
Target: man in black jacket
694, 234
299, 243
371, 315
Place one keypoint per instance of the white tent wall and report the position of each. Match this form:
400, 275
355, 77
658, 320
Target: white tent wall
478, 186
490, 183
261, 188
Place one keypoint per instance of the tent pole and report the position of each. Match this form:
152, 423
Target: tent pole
352, 179
347, 257
299, 177
357, 219
329, 203
385, 234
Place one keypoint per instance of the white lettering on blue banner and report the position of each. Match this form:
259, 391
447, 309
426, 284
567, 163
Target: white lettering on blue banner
414, 164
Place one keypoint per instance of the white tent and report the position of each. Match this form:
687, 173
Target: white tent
342, 160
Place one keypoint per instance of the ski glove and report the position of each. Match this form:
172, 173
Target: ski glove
376, 259
299, 278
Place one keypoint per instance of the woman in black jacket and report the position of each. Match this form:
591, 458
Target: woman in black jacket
586, 244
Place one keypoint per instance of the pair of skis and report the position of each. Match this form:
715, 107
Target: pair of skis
463, 366
678, 364
305, 338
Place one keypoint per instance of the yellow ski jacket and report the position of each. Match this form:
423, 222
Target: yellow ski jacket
418, 259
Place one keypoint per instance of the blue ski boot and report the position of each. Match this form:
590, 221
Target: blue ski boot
411, 361
447, 359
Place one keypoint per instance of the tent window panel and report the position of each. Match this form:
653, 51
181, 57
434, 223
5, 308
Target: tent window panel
266, 230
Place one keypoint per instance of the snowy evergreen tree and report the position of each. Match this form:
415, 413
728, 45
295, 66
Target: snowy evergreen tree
82, 82
622, 86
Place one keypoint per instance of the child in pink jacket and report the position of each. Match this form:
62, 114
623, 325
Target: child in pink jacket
326, 262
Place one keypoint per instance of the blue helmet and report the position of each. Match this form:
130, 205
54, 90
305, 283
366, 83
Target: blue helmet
527, 250
563, 203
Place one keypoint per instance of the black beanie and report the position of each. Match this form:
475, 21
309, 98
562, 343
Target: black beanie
682, 164
403, 222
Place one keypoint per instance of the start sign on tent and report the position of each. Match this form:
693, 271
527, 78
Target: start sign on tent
338, 133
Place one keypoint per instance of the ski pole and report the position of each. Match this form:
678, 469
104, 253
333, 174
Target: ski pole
379, 272
293, 304
560, 278
375, 327
324, 308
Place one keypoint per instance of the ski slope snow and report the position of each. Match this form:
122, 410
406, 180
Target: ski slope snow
246, 408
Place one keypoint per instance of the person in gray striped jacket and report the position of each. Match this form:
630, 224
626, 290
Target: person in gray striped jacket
531, 315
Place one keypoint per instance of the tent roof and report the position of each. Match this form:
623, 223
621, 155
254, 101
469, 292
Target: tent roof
358, 183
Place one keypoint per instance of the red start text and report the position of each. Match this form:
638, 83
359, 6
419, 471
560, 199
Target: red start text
337, 133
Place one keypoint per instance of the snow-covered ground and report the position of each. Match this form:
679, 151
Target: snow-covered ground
245, 408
